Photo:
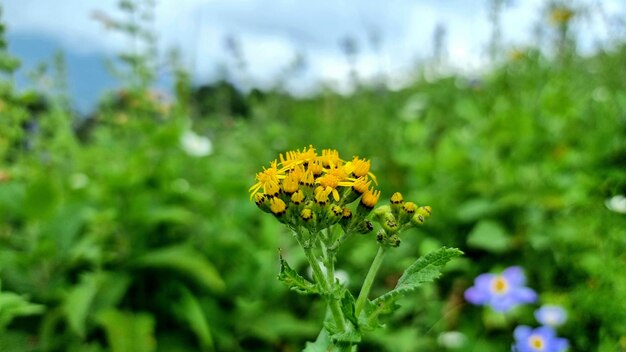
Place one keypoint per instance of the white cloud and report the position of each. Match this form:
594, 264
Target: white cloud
272, 32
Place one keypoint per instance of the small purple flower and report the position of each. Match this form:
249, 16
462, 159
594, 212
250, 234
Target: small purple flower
541, 339
551, 315
502, 292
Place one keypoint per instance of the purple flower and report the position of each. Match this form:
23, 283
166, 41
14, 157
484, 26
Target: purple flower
502, 292
542, 339
551, 315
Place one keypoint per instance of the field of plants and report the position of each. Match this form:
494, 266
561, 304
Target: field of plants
133, 229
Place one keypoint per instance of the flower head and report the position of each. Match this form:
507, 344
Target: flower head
501, 291
542, 339
551, 315
324, 184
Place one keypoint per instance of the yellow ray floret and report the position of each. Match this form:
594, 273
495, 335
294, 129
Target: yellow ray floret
268, 179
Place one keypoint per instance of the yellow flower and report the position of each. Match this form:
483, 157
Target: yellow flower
277, 206
330, 158
361, 185
297, 157
291, 182
370, 198
268, 180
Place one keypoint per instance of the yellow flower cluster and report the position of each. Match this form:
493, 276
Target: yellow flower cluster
304, 188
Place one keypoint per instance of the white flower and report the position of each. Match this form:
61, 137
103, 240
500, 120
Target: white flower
452, 339
616, 204
196, 145
551, 315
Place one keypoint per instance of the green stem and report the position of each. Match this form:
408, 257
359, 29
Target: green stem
333, 303
369, 279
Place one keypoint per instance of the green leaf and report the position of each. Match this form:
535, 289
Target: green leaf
294, 281
13, 305
95, 291
128, 332
321, 344
348, 309
189, 310
423, 270
186, 260
490, 236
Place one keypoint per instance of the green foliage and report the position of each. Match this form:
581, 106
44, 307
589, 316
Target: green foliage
294, 281
128, 332
114, 238
423, 270
13, 305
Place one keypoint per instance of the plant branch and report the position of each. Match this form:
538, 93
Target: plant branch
369, 279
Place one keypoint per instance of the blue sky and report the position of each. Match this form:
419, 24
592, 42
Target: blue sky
273, 33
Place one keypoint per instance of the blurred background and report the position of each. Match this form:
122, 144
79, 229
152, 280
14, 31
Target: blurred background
130, 132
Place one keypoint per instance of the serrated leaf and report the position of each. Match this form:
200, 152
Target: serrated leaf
348, 308
186, 260
350, 337
294, 281
423, 270
321, 344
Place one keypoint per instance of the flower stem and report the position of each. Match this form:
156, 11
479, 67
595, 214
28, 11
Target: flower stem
328, 289
369, 279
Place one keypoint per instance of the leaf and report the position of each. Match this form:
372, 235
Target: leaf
347, 306
95, 291
321, 344
78, 303
423, 270
13, 305
350, 337
186, 260
490, 236
128, 332
189, 310
294, 281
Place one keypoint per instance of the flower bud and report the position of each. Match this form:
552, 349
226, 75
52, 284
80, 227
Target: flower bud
396, 203
381, 211
390, 226
297, 197
365, 227
261, 201
308, 219
406, 212
277, 206
425, 211
334, 214
381, 236
394, 240
291, 183
368, 201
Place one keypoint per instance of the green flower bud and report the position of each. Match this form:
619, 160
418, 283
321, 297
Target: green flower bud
390, 226
406, 212
394, 240
334, 214
364, 227
381, 236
